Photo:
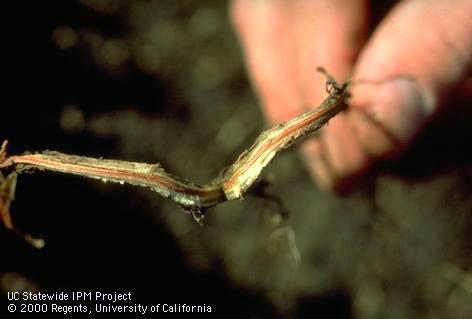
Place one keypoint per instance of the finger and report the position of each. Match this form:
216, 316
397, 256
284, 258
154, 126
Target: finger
264, 29
337, 157
317, 164
329, 34
343, 153
335, 41
285, 41
430, 41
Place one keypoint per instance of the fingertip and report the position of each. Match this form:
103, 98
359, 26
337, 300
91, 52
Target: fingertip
317, 165
264, 30
335, 160
343, 151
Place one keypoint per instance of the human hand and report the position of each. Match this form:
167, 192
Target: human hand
284, 41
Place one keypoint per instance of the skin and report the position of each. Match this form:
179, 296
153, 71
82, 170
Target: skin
418, 56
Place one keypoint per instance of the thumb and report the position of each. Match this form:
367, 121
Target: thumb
428, 41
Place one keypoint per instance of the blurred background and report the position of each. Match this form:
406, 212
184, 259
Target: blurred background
164, 81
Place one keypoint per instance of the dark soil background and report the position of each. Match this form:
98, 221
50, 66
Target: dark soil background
164, 81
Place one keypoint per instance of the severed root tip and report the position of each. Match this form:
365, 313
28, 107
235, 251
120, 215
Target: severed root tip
4, 160
7, 195
6, 220
35, 242
3, 151
5, 217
